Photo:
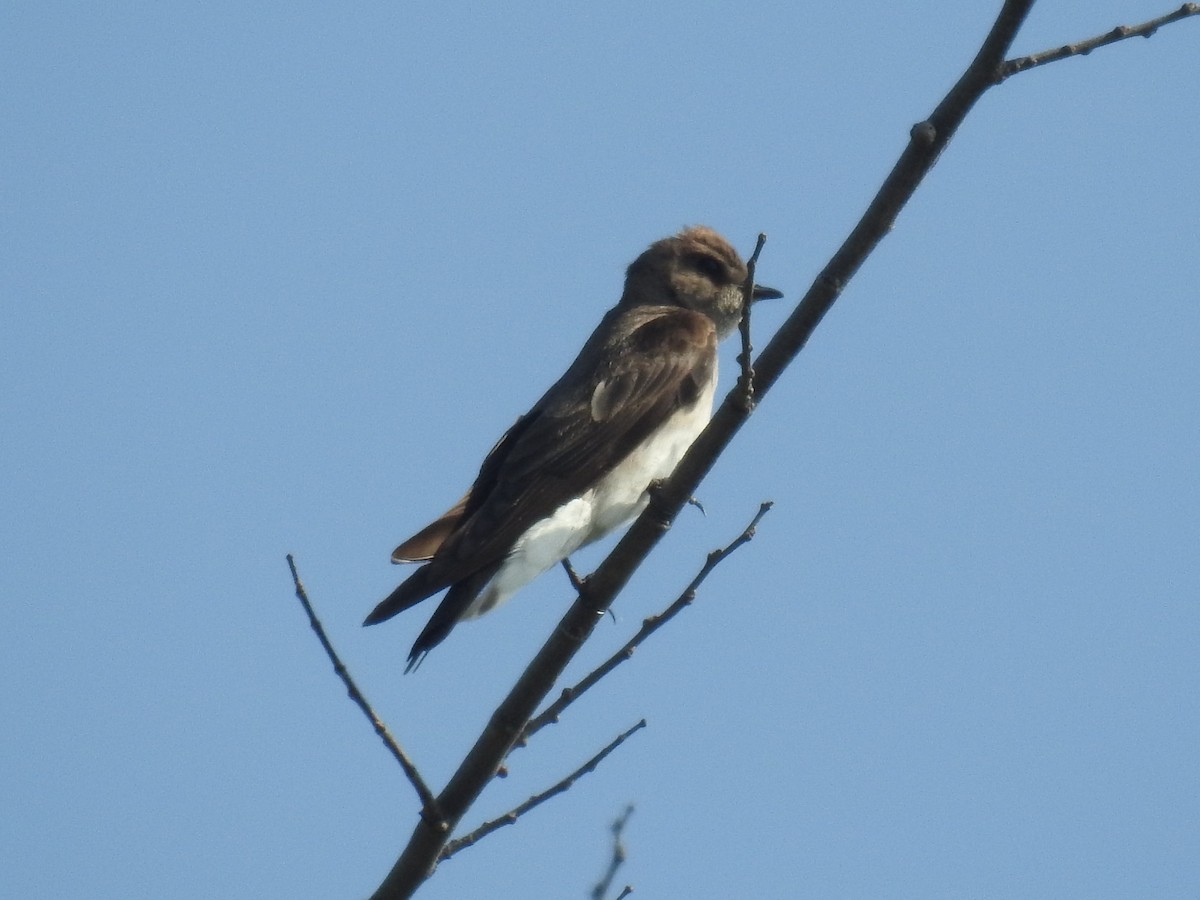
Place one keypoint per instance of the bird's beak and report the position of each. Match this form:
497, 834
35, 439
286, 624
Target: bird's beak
761, 292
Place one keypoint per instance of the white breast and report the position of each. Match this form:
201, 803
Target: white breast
616, 499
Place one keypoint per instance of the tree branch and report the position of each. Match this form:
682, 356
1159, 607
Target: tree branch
927, 140
649, 626
429, 804
926, 143
618, 856
1083, 48
537, 799
745, 358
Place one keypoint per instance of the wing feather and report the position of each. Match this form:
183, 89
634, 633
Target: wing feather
650, 363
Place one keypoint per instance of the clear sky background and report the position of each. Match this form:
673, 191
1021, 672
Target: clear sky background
274, 277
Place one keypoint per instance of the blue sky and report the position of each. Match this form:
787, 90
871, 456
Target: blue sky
274, 277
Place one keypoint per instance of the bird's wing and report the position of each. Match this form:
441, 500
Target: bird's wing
653, 361
425, 543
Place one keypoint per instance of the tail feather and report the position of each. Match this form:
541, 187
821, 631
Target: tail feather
419, 585
448, 614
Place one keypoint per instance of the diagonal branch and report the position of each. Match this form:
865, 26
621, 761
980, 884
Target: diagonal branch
429, 804
506, 724
649, 626
1083, 48
926, 142
618, 856
537, 799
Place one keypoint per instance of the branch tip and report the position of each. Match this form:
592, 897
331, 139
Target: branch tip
651, 624
560, 787
430, 809
1082, 48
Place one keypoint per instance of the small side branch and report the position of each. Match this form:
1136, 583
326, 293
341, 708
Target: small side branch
600, 891
429, 804
649, 626
1083, 48
512, 815
745, 359
577, 582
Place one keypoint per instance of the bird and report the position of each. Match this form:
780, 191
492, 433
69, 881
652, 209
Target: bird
582, 461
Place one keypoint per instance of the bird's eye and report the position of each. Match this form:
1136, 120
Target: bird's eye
710, 266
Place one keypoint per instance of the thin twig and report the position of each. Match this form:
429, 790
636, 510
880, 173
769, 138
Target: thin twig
618, 857
649, 626
746, 357
512, 815
1083, 48
625, 892
429, 804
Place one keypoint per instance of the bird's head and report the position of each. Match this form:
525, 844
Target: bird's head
696, 269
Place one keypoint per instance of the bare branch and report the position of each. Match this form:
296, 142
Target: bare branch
537, 799
649, 626
927, 140
507, 723
572, 575
1083, 48
745, 358
618, 857
429, 804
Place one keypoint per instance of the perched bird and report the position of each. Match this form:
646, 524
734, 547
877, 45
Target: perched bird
580, 462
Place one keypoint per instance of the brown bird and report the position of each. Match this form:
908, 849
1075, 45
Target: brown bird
580, 462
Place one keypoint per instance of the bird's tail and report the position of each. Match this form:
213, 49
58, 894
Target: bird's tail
448, 614
419, 585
